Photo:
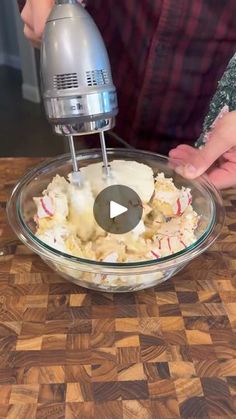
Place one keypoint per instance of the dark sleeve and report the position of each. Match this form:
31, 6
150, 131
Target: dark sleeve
224, 99
21, 4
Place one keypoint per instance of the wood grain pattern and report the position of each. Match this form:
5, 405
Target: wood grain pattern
66, 352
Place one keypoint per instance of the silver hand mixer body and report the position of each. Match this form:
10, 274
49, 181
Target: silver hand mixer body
77, 88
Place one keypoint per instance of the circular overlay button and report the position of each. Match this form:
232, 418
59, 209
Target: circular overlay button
118, 209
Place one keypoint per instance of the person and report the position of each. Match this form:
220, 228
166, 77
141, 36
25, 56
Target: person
166, 61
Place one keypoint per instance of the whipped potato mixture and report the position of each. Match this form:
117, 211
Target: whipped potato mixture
65, 219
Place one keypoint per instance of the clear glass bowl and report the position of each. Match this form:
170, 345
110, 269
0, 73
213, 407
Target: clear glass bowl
104, 276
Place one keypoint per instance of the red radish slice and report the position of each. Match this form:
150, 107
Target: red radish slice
155, 254
181, 241
169, 245
179, 207
189, 199
47, 205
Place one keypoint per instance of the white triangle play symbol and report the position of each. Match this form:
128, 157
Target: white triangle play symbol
116, 209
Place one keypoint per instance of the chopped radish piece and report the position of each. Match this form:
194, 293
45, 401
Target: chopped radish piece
45, 206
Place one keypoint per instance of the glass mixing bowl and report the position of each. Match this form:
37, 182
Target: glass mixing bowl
113, 277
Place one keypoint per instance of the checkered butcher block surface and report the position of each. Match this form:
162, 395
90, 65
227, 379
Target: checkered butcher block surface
67, 352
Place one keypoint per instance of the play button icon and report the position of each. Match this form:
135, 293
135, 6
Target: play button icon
118, 209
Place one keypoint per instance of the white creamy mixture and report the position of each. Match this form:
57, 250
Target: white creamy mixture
65, 218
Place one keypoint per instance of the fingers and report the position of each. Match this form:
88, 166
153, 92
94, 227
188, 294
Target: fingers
189, 161
196, 161
181, 152
224, 176
30, 35
34, 15
41, 11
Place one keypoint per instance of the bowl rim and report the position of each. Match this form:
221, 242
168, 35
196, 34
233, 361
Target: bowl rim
182, 257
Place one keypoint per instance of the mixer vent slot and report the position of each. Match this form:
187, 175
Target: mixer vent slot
66, 81
97, 77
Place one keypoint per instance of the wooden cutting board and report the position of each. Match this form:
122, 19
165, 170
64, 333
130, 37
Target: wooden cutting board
66, 352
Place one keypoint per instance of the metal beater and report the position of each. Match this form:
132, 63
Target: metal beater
78, 91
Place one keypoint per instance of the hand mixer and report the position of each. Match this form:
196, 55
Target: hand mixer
78, 92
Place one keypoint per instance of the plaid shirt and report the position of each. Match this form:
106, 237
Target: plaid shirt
166, 58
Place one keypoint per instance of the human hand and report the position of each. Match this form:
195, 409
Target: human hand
217, 158
34, 16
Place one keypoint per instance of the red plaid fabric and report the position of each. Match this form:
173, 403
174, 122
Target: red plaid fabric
166, 59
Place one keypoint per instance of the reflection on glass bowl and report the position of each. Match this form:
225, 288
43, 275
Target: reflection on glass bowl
105, 276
